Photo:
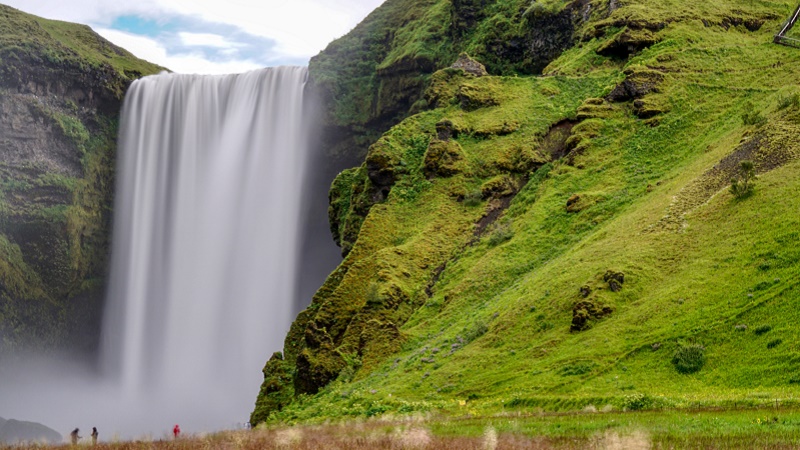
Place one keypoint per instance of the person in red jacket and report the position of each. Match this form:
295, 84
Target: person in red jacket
176, 431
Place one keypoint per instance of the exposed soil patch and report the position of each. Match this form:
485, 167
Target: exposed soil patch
555, 143
768, 150
496, 207
437, 273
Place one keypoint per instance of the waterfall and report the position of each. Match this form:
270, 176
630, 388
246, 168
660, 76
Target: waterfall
205, 237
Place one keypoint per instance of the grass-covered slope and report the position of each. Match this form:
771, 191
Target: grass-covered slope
570, 239
376, 75
61, 88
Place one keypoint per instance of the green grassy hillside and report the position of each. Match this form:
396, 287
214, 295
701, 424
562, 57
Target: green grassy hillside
376, 75
567, 240
61, 89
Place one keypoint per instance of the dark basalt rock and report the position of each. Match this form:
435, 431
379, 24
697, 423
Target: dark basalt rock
585, 311
615, 280
628, 42
573, 203
465, 15
637, 84
446, 131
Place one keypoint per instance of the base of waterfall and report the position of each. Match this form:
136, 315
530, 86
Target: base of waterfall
65, 396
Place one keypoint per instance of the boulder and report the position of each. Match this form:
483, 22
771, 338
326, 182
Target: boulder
469, 65
585, 311
615, 280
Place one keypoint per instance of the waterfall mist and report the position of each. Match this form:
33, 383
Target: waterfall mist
205, 250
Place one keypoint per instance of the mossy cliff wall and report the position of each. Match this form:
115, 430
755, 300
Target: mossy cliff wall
376, 75
525, 240
61, 90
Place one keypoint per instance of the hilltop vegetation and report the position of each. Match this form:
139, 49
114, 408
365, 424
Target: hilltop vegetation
61, 88
564, 240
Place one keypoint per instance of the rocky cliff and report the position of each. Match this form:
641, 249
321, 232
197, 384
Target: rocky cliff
558, 232
376, 75
61, 89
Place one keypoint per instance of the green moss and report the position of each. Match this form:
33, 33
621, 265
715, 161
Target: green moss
55, 215
276, 390
696, 264
27, 39
444, 159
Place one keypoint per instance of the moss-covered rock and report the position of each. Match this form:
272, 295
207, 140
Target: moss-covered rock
277, 389
638, 83
628, 42
472, 96
444, 159
499, 186
466, 273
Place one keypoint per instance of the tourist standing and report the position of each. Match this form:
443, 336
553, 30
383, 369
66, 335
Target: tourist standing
74, 436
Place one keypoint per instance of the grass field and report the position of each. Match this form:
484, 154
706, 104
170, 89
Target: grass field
766, 428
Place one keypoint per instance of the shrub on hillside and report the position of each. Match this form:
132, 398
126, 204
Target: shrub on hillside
477, 330
637, 402
792, 100
474, 198
502, 233
742, 184
752, 116
689, 358
762, 329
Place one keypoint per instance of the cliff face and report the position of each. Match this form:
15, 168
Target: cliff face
559, 240
376, 75
61, 89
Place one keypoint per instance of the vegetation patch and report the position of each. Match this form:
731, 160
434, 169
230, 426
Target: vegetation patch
689, 358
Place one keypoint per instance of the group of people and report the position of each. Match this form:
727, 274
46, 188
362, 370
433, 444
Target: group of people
74, 436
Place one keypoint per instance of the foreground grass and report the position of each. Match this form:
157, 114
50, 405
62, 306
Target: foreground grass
767, 428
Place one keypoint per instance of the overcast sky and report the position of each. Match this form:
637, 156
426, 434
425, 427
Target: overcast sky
212, 36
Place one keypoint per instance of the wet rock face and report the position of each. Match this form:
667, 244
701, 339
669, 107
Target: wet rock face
464, 15
46, 142
31, 142
550, 35
58, 125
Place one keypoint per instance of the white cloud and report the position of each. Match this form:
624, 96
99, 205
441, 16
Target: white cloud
301, 28
155, 52
206, 40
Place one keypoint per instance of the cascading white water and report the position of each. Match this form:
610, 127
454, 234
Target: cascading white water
205, 237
